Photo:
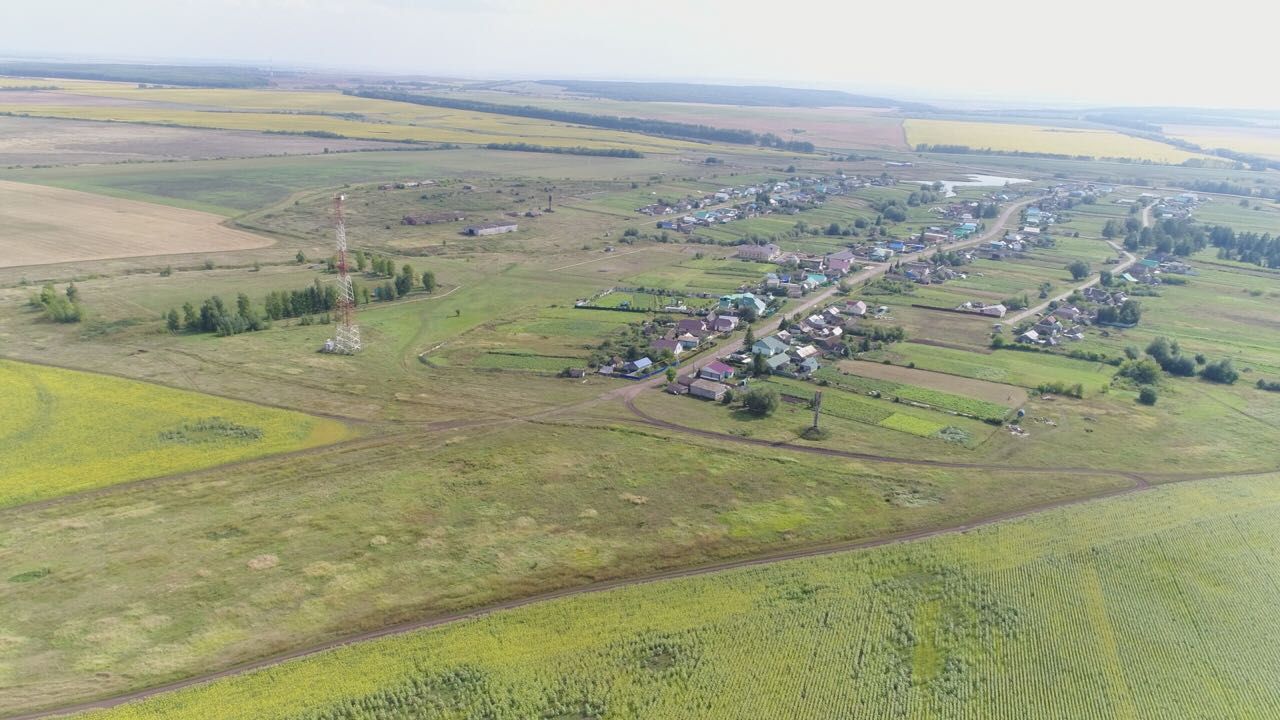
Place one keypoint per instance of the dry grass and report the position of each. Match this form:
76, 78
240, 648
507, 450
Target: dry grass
52, 225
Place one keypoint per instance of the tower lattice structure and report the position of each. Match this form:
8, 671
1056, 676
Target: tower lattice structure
347, 338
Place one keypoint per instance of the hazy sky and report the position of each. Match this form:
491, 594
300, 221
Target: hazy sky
1089, 51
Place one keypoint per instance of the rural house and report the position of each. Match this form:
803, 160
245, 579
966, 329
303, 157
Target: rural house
717, 371
759, 253
769, 347
708, 390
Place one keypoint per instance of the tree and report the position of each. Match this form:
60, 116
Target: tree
758, 366
1147, 395
429, 281
761, 401
750, 338
1079, 270
300, 257
361, 261
671, 374
404, 281
1143, 372
1221, 371
833, 229
73, 292
172, 322
1106, 278
189, 319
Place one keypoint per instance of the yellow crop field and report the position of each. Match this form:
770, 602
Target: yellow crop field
1007, 137
1253, 140
309, 111
63, 431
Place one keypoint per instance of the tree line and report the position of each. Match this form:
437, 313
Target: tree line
595, 152
663, 128
1250, 247
215, 316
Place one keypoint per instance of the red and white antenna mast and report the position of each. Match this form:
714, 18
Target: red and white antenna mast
347, 337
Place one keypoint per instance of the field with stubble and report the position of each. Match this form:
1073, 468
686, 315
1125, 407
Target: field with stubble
45, 225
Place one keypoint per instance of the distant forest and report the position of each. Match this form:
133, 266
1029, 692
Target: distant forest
199, 76
728, 94
661, 128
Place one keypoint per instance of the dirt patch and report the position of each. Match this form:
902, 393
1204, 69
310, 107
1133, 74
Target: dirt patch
264, 562
991, 392
46, 225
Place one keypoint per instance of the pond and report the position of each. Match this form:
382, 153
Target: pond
949, 186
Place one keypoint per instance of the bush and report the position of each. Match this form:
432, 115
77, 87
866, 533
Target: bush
761, 401
1221, 371
1147, 395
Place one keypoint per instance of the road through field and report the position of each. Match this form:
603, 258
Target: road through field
1129, 260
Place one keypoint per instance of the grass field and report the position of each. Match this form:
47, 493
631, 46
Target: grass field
149, 584
51, 225
1009, 137
1076, 613
66, 431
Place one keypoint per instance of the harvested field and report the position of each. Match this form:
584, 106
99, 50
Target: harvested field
44, 141
998, 393
50, 225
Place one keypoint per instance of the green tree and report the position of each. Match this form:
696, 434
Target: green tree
361, 260
1079, 270
758, 365
750, 338
172, 322
300, 257
1147, 395
671, 374
761, 401
73, 292
189, 319
429, 281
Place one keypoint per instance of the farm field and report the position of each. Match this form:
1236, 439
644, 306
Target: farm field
448, 466
1010, 137
990, 392
843, 127
1264, 141
1053, 615
326, 112
283, 553
38, 141
66, 431
232, 187
50, 225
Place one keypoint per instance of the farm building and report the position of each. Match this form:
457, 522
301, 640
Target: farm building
707, 389
496, 228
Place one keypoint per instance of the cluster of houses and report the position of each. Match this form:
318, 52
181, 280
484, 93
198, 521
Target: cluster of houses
1065, 323
1148, 270
795, 351
1176, 207
734, 203
995, 310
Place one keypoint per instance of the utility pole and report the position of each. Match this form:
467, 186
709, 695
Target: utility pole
817, 406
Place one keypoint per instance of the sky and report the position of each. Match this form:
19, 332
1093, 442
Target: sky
1088, 52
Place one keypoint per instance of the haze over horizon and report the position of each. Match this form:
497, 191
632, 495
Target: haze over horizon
1094, 54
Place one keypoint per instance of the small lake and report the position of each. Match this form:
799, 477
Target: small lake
949, 186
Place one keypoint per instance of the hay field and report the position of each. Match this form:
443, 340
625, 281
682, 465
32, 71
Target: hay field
1010, 137
50, 225
1253, 140
65, 431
